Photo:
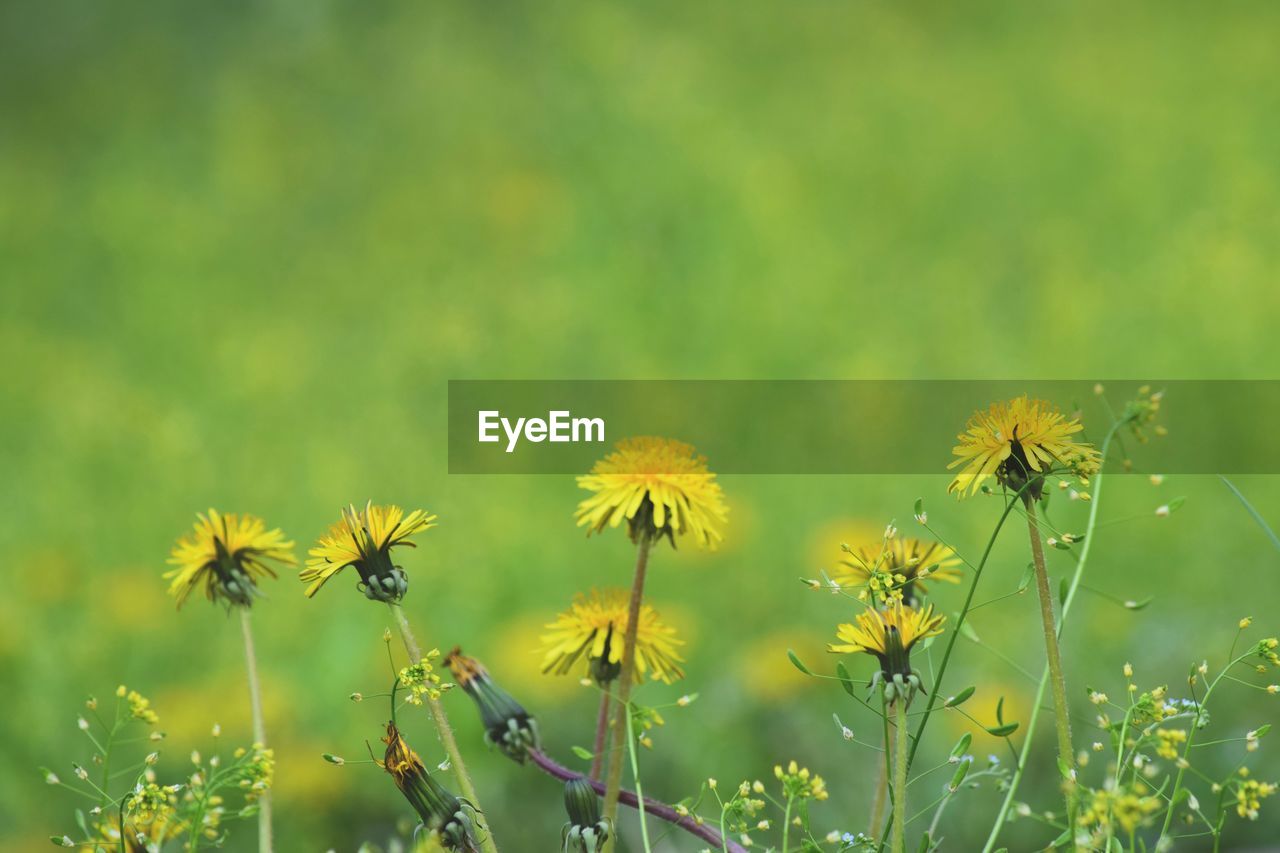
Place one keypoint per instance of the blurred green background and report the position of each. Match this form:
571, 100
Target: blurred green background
245, 245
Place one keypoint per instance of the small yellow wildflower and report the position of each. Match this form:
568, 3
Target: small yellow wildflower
1249, 796
1169, 742
798, 783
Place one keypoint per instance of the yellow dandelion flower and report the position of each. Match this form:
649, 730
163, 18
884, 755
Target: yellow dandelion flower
890, 635
364, 540
1017, 441
898, 567
228, 554
660, 487
592, 630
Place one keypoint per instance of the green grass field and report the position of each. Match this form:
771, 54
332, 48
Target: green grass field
245, 246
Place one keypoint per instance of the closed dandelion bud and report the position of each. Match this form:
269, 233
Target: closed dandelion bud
440, 811
586, 831
507, 725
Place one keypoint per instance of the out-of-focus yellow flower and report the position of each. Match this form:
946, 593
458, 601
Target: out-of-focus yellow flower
364, 540
592, 630
660, 487
1249, 796
896, 568
228, 554
1127, 808
1016, 442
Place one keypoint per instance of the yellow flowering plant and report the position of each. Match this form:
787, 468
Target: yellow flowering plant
1140, 779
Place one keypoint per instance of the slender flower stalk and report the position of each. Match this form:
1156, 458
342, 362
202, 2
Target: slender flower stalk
602, 732
259, 728
697, 828
1053, 662
622, 707
443, 728
900, 777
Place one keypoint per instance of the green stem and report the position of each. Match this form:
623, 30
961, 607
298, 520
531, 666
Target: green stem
443, 729
900, 760
786, 826
635, 774
1044, 677
622, 704
259, 727
1053, 659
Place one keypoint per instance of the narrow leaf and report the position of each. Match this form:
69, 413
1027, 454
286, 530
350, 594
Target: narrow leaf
960, 698
795, 660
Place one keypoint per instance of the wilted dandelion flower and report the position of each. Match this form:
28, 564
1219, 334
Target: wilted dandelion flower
592, 629
439, 810
507, 724
897, 568
364, 540
228, 554
889, 634
1016, 442
659, 487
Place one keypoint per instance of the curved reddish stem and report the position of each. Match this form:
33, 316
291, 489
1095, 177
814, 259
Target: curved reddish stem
662, 811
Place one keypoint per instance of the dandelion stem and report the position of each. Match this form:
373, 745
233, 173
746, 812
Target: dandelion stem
625, 679
443, 729
259, 727
602, 729
1044, 677
1053, 659
652, 807
900, 777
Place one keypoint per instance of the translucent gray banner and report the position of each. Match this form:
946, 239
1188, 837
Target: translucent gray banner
842, 427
